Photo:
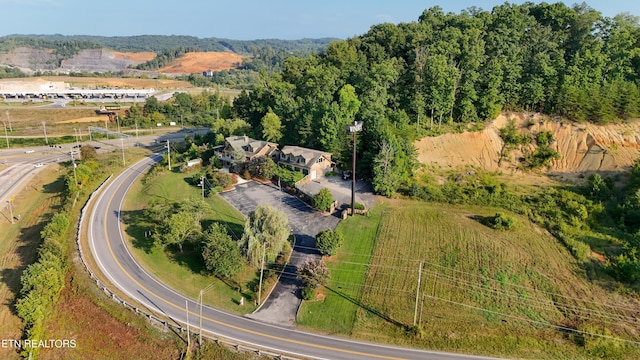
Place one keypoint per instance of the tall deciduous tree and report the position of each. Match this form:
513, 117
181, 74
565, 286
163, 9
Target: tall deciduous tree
266, 231
220, 253
271, 127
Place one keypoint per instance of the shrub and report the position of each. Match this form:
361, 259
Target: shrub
328, 241
308, 293
358, 206
501, 221
219, 178
323, 200
262, 167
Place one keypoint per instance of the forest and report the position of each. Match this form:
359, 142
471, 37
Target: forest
450, 71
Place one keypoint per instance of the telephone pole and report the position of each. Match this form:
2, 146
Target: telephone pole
415, 311
169, 154
261, 274
202, 185
44, 128
6, 137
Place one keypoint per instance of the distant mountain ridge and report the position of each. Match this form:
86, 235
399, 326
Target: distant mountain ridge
133, 55
158, 43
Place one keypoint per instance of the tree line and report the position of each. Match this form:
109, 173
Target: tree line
158, 43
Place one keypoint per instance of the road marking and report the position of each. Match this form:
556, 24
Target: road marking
110, 201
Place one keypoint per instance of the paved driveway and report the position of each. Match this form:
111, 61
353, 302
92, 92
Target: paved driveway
341, 189
282, 305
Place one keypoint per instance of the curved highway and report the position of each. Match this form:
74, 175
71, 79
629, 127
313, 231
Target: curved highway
112, 255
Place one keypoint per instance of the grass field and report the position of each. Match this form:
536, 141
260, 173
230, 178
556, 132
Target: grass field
184, 271
18, 243
482, 291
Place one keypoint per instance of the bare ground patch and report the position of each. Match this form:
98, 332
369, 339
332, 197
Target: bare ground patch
197, 62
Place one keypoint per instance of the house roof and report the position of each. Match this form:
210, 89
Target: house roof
238, 142
310, 156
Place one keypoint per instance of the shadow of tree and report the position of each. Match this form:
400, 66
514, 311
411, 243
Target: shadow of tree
137, 226
190, 257
365, 307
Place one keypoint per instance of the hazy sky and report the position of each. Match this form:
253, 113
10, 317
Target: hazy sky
239, 19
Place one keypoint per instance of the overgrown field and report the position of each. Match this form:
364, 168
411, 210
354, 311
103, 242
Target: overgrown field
514, 293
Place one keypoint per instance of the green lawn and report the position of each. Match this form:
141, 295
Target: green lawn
184, 271
348, 270
482, 291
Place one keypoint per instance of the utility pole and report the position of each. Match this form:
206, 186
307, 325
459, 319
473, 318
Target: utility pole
9, 120
354, 129
75, 131
186, 306
202, 184
6, 137
44, 128
11, 208
169, 154
137, 139
261, 274
415, 311
200, 298
73, 162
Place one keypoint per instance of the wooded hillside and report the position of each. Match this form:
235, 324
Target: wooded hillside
410, 79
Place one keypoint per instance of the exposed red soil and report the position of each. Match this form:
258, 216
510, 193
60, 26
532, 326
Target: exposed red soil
197, 62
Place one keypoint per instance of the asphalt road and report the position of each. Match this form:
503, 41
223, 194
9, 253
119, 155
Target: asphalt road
116, 262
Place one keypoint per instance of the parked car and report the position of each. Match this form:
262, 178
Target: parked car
29, 151
38, 165
347, 175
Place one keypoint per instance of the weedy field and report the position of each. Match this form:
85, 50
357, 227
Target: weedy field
516, 293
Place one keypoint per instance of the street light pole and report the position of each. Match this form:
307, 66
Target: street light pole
354, 129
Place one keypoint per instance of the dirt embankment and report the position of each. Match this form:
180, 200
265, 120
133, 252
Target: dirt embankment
583, 147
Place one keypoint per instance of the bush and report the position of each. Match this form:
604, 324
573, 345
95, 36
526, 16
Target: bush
262, 168
308, 293
358, 206
501, 221
323, 200
328, 241
219, 178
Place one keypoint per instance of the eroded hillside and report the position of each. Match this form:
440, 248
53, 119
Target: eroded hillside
583, 147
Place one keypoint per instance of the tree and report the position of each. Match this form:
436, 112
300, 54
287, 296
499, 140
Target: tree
88, 152
328, 241
262, 167
220, 253
271, 127
314, 273
177, 223
266, 231
323, 200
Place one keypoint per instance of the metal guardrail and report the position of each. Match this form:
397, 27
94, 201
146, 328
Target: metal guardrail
235, 345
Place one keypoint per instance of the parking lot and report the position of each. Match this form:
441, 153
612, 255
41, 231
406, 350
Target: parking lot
302, 218
282, 305
341, 189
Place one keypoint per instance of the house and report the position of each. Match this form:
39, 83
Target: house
251, 149
308, 161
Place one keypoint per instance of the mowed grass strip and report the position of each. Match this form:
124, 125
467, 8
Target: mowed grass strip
342, 297
184, 271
